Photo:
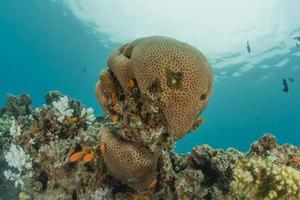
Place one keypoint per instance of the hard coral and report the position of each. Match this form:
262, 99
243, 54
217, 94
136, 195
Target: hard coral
259, 177
128, 162
177, 72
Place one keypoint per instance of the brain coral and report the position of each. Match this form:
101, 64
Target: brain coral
128, 162
104, 89
180, 73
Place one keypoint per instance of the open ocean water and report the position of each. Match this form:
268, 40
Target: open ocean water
63, 45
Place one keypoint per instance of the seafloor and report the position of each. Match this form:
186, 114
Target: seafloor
36, 146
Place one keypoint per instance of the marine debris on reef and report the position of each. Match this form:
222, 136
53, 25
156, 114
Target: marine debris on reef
153, 92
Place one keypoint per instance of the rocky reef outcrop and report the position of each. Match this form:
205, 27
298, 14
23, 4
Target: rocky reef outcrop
38, 147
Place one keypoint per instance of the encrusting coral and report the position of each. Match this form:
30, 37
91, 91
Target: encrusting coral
62, 151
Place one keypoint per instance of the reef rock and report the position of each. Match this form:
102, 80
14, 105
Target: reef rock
39, 164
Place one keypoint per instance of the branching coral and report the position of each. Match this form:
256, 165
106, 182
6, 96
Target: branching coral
62, 109
100, 193
15, 130
48, 136
88, 114
262, 178
20, 162
5, 133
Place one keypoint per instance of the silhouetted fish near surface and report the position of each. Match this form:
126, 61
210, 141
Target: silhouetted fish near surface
297, 38
248, 47
291, 79
285, 86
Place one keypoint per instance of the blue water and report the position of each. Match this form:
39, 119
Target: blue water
43, 47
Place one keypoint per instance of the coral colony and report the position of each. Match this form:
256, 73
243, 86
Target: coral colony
153, 92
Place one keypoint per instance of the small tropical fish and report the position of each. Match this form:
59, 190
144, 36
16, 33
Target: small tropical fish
70, 121
291, 79
131, 83
129, 113
285, 86
248, 47
197, 123
117, 107
76, 156
88, 157
114, 118
114, 96
152, 184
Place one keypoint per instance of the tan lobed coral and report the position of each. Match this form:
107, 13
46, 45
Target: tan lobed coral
128, 162
176, 71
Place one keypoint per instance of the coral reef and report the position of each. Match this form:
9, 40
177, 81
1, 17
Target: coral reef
40, 146
153, 92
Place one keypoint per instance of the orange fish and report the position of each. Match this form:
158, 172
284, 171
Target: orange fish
88, 157
114, 96
129, 113
117, 107
70, 121
152, 184
76, 156
131, 83
198, 123
114, 118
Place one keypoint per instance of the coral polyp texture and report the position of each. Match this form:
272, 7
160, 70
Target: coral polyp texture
177, 73
134, 165
153, 92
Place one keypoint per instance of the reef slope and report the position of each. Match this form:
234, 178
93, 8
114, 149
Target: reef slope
37, 144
